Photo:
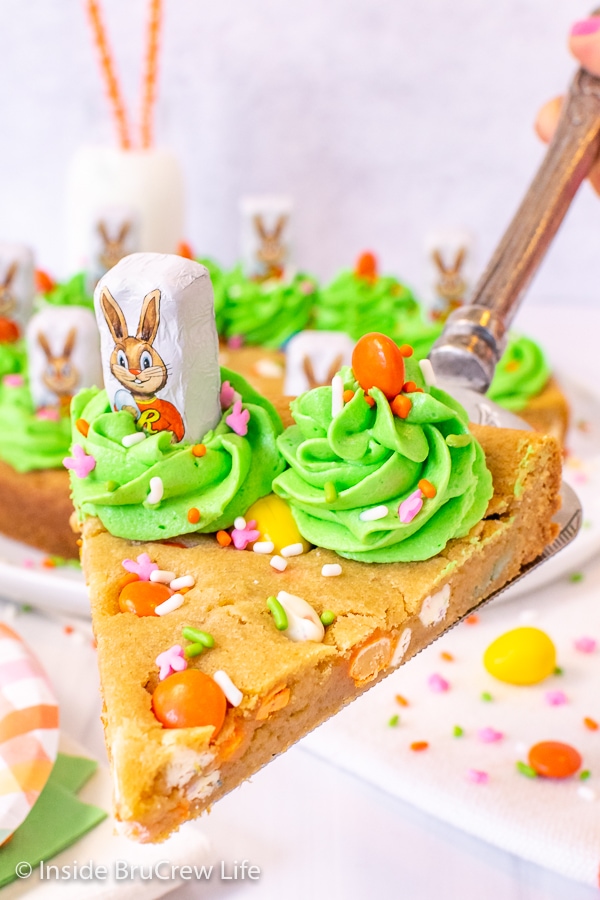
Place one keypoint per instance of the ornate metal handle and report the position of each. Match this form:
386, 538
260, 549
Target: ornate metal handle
474, 337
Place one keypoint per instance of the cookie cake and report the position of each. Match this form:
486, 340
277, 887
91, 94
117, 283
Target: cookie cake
248, 579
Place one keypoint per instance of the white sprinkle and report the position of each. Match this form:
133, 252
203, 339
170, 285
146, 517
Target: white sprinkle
428, 373
293, 550
528, 615
278, 563
136, 438
371, 515
586, 793
331, 570
239, 523
185, 581
233, 694
167, 606
268, 368
157, 490
263, 547
163, 576
337, 395
520, 748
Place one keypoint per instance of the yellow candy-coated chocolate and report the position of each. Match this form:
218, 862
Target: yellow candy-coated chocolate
275, 522
521, 656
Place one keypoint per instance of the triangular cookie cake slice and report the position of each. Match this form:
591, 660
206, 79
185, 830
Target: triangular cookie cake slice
247, 581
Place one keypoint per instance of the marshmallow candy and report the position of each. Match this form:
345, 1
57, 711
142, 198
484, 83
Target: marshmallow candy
312, 358
147, 184
160, 351
265, 236
63, 353
17, 283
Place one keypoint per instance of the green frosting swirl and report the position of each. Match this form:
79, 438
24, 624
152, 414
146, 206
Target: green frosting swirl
28, 441
73, 292
234, 472
521, 374
268, 313
357, 305
373, 458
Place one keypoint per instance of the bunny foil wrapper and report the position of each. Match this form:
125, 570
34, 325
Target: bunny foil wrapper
114, 233
159, 344
17, 282
63, 353
265, 237
312, 358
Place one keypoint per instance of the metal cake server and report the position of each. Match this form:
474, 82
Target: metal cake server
466, 354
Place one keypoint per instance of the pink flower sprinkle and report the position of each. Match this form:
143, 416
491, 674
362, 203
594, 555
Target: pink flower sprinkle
410, 507
142, 567
489, 735
28, 563
238, 419
171, 660
586, 644
235, 341
438, 684
13, 381
48, 414
227, 395
243, 536
476, 776
307, 287
556, 698
80, 462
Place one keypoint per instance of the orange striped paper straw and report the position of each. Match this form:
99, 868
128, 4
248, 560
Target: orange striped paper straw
150, 74
108, 71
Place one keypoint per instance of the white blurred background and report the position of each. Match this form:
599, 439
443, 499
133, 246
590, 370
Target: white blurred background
383, 120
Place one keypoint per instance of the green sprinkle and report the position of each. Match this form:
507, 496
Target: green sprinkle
574, 577
330, 492
27, 607
328, 617
583, 776
458, 440
558, 671
278, 612
111, 486
587, 523
457, 731
487, 697
524, 769
394, 721
199, 637
193, 650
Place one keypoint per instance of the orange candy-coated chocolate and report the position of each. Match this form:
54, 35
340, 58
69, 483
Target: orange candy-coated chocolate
9, 331
377, 362
189, 699
553, 759
142, 597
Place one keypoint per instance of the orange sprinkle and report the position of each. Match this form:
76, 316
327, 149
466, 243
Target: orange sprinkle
590, 723
427, 489
447, 656
82, 427
127, 579
409, 387
43, 282
223, 538
48, 563
401, 406
406, 350
369, 400
183, 590
348, 395
418, 746
472, 620
68, 629
184, 249
401, 700
79, 542
199, 450
193, 515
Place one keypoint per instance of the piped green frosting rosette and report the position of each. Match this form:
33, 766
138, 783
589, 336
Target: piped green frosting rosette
222, 484
358, 305
73, 292
12, 357
521, 374
268, 313
30, 440
373, 458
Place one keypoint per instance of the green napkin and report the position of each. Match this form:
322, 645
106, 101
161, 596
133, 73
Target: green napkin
57, 820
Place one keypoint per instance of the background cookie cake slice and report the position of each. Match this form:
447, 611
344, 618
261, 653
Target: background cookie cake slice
224, 635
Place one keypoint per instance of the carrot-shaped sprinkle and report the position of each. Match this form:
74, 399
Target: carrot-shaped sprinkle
108, 71
149, 80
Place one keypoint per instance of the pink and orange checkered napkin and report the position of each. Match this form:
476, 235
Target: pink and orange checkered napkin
28, 730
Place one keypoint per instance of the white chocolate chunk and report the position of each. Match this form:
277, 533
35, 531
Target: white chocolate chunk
303, 622
435, 607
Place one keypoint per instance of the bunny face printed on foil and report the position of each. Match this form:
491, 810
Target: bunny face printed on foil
271, 253
312, 358
8, 300
138, 367
450, 284
114, 248
60, 376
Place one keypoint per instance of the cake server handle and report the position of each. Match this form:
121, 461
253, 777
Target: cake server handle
474, 337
